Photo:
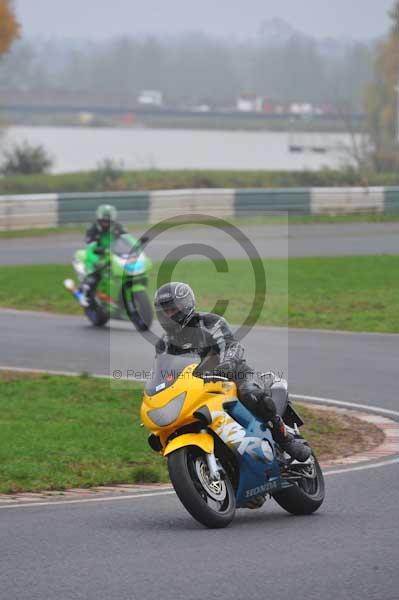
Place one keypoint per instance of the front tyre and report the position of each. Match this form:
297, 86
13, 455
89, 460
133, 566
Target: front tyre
138, 308
306, 495
212, 503
144, 314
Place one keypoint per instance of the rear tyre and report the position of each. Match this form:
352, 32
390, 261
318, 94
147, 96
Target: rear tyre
97, 315
211, 503
304, 497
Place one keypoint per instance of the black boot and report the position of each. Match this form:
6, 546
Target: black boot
87, 288
296, 448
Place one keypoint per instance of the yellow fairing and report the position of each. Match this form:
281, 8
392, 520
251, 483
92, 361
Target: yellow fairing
197, 393
202, 440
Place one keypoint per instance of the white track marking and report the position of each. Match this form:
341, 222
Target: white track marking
385, 463
337, 332
55, 503
86, 500
28, 370
66, 373
35, 313
365, 407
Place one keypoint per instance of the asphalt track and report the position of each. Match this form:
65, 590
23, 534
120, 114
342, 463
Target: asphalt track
352, 367
270, 241
149, 547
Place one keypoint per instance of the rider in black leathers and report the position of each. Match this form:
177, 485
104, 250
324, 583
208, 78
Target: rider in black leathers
210, 336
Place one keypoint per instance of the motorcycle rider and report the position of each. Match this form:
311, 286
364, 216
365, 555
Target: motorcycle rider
210, 336
99, 237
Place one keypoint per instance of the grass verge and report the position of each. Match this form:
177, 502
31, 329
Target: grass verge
156, 179
339, 293
58, 432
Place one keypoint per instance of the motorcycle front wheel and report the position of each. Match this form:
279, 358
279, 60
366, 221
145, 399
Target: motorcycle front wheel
144, 315
211, 503
138, 308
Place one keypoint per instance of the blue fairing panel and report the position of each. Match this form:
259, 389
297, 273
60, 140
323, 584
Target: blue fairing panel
259, 469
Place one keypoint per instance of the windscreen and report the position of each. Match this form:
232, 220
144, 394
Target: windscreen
124, 245
166, 370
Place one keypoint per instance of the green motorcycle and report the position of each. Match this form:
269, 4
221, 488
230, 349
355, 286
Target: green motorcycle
122, 290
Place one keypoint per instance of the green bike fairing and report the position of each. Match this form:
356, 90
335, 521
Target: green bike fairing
92, 259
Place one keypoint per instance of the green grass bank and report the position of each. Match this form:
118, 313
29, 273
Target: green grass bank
59, 432
154, 179
345, 293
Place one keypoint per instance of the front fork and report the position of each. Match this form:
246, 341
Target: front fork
214, 469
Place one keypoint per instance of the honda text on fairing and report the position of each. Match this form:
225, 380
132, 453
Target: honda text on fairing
220, 457
122, 290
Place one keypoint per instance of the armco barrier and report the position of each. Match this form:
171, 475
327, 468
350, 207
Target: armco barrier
22, 212
391, 201
338, 201
51, 210
174, 203
133, 207
266, 201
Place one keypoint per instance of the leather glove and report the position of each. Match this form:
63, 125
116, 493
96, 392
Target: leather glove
160, 347
234, 352
226, 369
232, 357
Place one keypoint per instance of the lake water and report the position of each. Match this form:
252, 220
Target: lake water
82, 148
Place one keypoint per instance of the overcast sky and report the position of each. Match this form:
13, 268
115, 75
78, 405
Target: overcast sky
104, 18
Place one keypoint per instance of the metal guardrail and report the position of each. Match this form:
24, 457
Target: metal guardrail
52, 210
26, 211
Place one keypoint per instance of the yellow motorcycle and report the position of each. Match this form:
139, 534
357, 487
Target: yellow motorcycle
220, 457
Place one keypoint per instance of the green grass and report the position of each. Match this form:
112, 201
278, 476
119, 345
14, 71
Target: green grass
346, 293
59, 432
248, 220
155, 179
355, 293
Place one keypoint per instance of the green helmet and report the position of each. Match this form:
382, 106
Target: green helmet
106, 212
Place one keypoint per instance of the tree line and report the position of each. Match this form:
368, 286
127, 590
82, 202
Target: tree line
382, 100
195, 68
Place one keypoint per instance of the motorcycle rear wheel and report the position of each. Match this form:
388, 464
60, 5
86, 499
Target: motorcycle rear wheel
305, 497
97, 315
211, 503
